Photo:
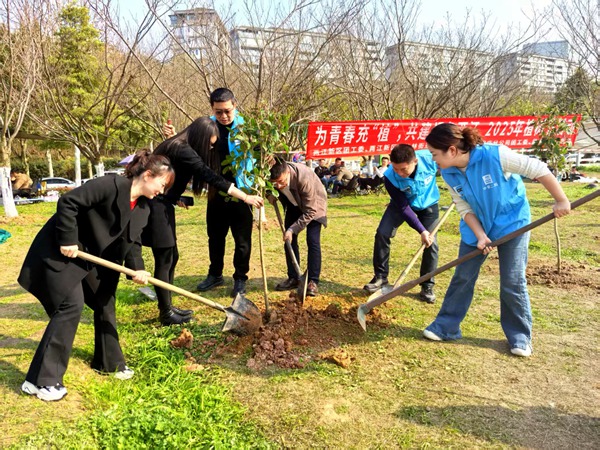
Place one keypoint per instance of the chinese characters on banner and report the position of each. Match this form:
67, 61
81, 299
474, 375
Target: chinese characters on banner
349, 139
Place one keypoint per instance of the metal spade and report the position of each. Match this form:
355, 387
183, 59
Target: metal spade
242, 318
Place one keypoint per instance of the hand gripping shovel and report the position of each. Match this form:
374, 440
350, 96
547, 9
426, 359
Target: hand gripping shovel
365, 308
302, 283
387, 288
242, 317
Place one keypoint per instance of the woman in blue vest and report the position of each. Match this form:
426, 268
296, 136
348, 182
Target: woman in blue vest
486, 185
410, 181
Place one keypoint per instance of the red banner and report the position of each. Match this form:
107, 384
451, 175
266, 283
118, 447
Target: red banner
375, 137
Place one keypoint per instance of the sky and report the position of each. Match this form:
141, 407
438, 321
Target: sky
504, 13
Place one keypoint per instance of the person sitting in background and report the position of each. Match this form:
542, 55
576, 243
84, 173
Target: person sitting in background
342, 177
575, 174
20, 181
377, 178
330, 180
321, 170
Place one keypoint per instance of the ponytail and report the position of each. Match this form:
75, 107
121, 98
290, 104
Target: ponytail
445, 135
157, 165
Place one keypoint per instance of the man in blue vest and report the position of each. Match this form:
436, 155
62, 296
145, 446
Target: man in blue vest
223, 215
411, 183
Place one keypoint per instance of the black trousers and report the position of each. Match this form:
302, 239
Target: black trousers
386, 230
51, 358
221, 216
313, 242
165, 260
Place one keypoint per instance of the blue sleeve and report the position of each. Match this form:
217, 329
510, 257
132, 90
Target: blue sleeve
401, 202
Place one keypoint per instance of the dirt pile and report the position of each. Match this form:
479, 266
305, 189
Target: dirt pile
570, 276
294, 335
184, 340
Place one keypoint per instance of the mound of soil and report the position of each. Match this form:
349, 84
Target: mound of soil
293, 336
570, 276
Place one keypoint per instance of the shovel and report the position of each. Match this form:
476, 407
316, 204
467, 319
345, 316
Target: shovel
242, 317
387, 288
365, 308
302, 283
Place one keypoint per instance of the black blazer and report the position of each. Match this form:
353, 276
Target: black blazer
98, 218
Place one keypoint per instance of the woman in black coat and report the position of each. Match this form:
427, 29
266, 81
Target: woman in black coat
104, 217
193, 158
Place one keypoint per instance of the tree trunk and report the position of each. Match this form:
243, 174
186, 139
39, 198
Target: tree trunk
49, 161
10, 210
77, 165
24, 156
263, 267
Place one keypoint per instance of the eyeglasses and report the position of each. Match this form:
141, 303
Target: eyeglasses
279, 183
224, 112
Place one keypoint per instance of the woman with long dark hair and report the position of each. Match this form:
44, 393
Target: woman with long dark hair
193, 158
104, 217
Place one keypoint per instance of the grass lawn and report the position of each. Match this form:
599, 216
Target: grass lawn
393, 390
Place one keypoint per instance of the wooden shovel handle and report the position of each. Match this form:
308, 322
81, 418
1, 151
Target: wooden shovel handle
155, 281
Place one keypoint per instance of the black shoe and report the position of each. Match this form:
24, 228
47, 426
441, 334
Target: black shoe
375, 284
170, 317
287, 285
312, 290
182, 312
427, 294
239, 287
210, 282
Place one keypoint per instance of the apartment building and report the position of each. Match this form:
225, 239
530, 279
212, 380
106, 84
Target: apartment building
330, 55
199, 32
542, 66
438, 64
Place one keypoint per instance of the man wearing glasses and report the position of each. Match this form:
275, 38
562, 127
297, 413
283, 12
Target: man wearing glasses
222, 215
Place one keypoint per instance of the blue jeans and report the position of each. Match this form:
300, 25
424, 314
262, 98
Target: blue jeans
515, 309
328, 182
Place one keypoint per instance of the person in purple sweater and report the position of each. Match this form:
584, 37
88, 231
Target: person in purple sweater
411, 183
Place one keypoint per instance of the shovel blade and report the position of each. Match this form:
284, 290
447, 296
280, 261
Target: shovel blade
361, 315
302, 286
243, 317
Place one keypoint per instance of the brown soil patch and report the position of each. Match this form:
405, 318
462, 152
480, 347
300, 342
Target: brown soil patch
294, 335
185, 340
570, 276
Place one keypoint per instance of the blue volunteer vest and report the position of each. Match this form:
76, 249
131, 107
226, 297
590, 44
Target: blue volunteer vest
241, 180
421, 191
500, 204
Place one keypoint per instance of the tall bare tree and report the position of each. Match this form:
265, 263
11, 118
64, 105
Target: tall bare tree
21, 31
578, 22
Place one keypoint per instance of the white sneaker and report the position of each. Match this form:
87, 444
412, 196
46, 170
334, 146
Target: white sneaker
46, 393
520, 352
124, 374
431, 336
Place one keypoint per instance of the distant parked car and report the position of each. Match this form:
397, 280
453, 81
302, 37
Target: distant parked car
58, 183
